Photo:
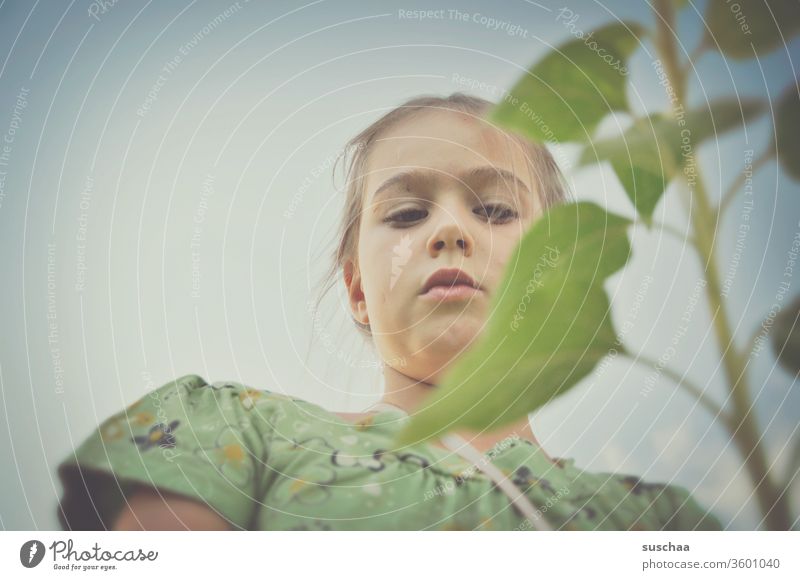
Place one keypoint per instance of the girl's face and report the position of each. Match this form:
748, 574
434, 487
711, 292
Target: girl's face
442, 190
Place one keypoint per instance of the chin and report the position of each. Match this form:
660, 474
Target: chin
447, 339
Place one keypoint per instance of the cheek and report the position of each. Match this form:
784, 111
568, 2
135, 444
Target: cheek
499, 255
375, 251
502, 244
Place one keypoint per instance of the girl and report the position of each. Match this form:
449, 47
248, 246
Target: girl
437, 199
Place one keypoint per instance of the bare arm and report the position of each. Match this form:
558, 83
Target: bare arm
169, 511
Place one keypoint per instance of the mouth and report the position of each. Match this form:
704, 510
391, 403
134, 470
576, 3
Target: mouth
448, 284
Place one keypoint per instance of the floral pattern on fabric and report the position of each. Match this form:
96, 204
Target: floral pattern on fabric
229, 456
270, 461
160, 435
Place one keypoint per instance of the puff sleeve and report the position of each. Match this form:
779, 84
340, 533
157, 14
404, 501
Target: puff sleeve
187, 437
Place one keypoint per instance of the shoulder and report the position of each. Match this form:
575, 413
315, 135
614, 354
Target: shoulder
192, 399
188, 436
250, 397
672, 504
684, 512
659, 505
196, 387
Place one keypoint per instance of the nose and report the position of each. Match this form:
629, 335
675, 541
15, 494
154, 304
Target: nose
449, 234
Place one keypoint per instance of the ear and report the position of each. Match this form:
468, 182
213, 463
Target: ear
355, 293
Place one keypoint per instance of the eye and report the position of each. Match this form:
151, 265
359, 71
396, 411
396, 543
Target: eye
496, 213
406, 216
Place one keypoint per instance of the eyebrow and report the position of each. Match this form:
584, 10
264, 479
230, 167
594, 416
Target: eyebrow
474, 177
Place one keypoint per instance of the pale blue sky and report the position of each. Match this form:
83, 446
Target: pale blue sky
255, 110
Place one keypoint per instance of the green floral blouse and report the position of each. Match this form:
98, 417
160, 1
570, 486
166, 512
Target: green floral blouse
267, 461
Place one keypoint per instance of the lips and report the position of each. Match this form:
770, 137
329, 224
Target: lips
448, 277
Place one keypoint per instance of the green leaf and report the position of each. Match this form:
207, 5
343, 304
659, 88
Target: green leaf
647, 156
743, 29
787, 131
644, 185
786, 337
550, 325
565, 95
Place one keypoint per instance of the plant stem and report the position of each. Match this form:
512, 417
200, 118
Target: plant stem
731, 192
751, 342
665, 45
742, 425
693, 57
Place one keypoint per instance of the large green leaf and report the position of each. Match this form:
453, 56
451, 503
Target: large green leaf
787, 131
643, 186
646, 156
745, 26
786, 337
565, 95
550, 325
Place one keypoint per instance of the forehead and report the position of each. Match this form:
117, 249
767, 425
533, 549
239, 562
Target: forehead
445, 141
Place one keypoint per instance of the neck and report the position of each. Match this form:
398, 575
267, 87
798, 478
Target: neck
404, 391
409, 393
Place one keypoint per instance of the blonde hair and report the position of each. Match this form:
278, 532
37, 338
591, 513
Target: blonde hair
552, 189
